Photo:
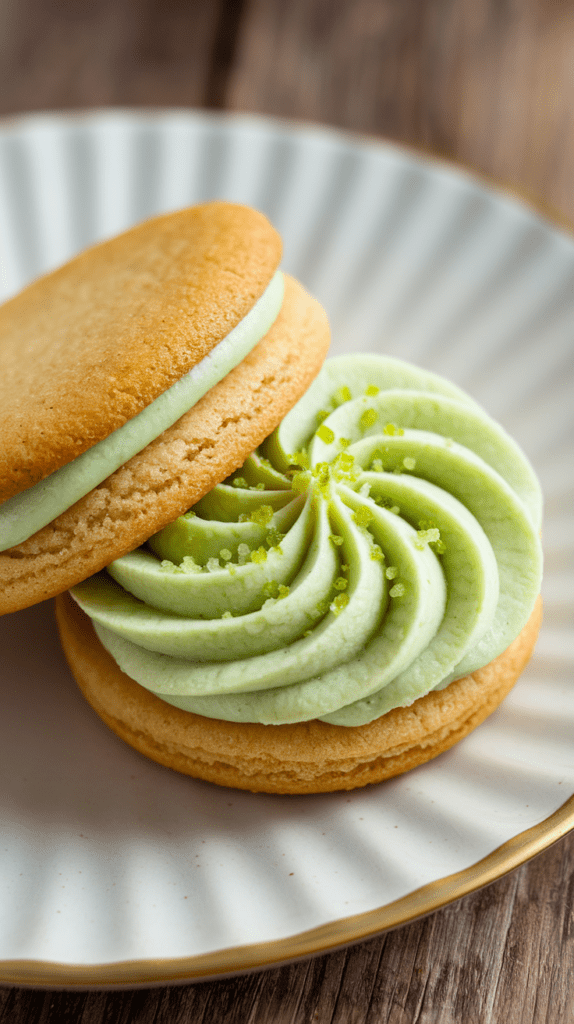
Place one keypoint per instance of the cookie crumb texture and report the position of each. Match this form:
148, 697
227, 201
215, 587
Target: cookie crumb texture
179, 467
310, 757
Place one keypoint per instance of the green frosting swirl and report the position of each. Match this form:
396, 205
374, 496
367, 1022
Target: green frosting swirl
383, 542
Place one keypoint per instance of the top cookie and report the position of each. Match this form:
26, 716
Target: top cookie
86, 348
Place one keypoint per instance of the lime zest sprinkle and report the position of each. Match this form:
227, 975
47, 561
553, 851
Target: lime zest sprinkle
344, 442
167, 566
340, 602
362, 516
391, 429
397, 591
262, 516
409, 463
371, 390
391, 572
425, 537
240, 481
341, 396
322, 415
259, 555
227, 615
299, 459
377, 554
341, 583
368, 419
271, 588
335, 539
377, 466
189, 564
258, 487
283, 591
324, 433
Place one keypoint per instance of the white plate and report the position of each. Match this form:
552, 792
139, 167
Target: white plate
115, 870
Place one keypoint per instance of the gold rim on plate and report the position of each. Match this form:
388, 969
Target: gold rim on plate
324, 939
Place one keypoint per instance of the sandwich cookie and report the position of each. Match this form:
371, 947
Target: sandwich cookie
134, 379
361, 593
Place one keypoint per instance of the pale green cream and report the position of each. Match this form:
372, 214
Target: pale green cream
381, 543
26, 513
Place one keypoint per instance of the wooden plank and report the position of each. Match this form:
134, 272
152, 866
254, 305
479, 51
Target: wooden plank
487, 83
127, 52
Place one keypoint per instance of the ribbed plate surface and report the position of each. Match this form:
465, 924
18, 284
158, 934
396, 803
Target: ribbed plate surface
116, 870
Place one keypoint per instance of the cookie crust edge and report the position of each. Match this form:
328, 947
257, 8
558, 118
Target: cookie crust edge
310, 757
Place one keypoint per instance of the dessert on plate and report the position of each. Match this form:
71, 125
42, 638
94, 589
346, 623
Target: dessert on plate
283, 578
350, 603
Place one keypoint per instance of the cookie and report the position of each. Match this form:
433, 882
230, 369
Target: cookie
91, 348
307, 757
350, 602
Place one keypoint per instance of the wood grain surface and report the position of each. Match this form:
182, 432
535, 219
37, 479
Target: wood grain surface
489, 83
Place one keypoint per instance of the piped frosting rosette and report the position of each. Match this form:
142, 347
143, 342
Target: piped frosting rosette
383, 542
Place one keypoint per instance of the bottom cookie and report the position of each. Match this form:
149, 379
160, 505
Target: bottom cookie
308, 757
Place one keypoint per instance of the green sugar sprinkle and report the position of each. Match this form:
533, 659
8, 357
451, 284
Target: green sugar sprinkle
336, 540
341, 395
283, 591
425, 537
300, 482
344, 442
368, 419
300, 459
189, 564
240, 481
227, 615
391, 429
372, 390
391, 572
324, 433
322, 415
225, 555
398, 590
340, 602
377, 554
274, 537
167, 566
259, 555
271, 588
409, 463
362, 517
262, 516
341, 583
212, 565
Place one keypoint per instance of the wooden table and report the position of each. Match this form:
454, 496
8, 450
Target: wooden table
486, 83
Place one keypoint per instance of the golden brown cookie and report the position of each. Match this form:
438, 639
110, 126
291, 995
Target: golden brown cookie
182, 464
87, 347
311, 757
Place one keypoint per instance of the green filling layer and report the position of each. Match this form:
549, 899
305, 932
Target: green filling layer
26, 513
381, 543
